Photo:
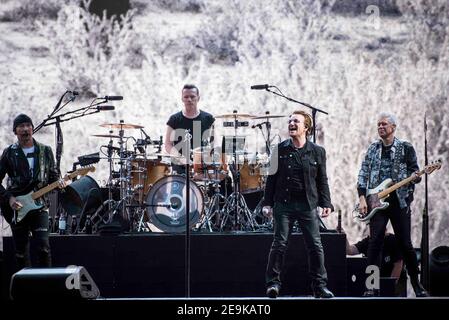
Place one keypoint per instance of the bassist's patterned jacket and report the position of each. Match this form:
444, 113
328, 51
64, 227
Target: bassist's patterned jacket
404, 163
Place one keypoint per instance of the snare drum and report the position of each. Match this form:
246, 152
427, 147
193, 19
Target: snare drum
209, 164
145, 173
166, 202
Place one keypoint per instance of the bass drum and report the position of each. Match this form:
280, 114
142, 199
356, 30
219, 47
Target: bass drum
171, 191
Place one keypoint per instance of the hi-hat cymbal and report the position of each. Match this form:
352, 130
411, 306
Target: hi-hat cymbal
269, 116
235, 115
121, 126
105, 135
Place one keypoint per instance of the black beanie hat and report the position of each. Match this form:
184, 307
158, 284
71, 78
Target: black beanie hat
21, 118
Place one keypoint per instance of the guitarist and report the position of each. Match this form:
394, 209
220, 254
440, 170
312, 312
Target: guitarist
29, 165
392, 158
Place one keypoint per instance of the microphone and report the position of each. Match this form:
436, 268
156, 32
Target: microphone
260, 87
105, 108
110, 147
147, 137
73, 95
113, 98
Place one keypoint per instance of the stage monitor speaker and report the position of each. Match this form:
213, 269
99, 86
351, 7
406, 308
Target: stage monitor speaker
356, 276
439, 272
70, 283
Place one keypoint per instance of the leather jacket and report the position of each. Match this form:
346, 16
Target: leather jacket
313, 162
14, 164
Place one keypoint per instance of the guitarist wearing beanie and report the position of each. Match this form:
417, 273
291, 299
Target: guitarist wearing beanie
29, 165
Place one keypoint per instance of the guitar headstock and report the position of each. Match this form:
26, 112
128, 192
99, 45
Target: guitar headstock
85, 170
435, 165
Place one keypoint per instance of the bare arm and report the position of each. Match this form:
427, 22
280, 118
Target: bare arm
168, 139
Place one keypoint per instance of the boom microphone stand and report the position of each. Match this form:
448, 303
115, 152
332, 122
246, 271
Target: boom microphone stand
314, 110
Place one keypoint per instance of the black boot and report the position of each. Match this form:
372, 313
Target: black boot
322, 292
273, 291
418, 288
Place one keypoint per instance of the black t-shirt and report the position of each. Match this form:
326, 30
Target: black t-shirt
197, 127
390, 253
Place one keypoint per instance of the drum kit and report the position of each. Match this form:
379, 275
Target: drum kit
152, 197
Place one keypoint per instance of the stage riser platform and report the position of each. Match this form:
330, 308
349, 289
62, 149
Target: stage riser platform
221, 265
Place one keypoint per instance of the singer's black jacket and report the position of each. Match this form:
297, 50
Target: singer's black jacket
313, 162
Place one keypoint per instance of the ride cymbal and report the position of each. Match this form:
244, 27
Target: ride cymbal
121, 126
269, 116
105, 135
235, 115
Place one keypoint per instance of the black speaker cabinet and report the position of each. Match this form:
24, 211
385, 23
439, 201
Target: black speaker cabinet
72, 282
356, 276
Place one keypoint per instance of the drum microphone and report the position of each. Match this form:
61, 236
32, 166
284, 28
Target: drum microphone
261, 87
113, 98
105, 108
111, 148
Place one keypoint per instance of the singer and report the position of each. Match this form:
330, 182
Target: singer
199, 123
293, 193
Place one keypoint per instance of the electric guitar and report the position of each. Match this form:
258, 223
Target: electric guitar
28, 200
375, 197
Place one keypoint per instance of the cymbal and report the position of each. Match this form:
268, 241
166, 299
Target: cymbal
235, 115
105, 135
121, 126
269, 116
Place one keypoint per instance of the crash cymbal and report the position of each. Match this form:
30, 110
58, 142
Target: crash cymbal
235, 115
121, 126
269, 116
105, 135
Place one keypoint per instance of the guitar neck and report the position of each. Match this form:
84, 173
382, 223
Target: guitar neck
389, 190
47, 189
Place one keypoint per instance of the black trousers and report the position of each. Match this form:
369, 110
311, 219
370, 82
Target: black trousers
284, 217
36, 223
400, 221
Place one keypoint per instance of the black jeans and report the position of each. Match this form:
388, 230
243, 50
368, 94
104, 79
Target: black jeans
284, 217
400, 221
35, 222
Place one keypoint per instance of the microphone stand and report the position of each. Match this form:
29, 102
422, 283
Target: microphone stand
314, 110
425, 220
187, 139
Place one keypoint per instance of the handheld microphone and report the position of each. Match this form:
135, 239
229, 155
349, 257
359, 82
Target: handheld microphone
113, 98
105, 108
260, 87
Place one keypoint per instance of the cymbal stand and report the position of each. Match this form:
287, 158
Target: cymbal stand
236, 204
213, 209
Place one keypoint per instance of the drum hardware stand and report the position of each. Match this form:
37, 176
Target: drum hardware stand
236, 203
213, 209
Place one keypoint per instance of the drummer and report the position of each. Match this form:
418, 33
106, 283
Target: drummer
199, 122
